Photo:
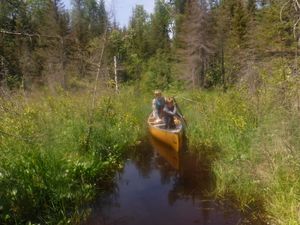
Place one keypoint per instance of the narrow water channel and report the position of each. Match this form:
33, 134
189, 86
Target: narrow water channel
157, 187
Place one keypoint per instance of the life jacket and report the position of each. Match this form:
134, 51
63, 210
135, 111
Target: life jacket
159, 103
169, 118
170, 108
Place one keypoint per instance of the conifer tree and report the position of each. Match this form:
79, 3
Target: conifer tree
80, 22
138, 31
102, 17
13, 18
160, 22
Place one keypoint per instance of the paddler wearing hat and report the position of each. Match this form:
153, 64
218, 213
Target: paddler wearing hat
158, 104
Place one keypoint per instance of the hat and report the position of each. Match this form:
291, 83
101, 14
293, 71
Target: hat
157, 92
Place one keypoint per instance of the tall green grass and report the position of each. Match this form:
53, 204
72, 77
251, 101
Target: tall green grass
256, 144
48, 170
54, 156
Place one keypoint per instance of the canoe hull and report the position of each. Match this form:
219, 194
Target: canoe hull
171, 137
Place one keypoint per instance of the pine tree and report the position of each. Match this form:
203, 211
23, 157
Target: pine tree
138, 31
239, 22
160, 22
80, 22
13, 18
102, 17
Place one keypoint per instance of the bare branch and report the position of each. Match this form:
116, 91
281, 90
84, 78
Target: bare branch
295, 27
297, 3
28, 35
282, 8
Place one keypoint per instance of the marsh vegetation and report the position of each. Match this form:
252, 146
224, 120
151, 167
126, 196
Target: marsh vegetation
69, 111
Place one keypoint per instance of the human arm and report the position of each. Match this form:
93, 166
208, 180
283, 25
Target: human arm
170, 112
153, 105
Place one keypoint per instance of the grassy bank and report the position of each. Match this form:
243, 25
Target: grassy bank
256, 141
54, 157
51, 160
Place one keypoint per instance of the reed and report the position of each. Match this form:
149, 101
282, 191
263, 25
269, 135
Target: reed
56, 155
256, 148
48, 172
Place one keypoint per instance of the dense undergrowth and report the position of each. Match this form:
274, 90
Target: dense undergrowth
51, 163
256, 138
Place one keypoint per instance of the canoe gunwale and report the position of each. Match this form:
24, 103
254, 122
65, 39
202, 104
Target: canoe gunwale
177, 130
171, 137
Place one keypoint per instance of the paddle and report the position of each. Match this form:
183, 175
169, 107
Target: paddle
179, 113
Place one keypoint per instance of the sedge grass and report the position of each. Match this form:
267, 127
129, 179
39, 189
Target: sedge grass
48, 171
257, 149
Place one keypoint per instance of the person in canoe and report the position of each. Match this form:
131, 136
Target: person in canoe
158, 104
170, 111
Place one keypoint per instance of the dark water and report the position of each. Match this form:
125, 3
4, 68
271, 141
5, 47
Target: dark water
158, 187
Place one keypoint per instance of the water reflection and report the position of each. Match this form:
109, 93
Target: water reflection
158, 186
193, 179
166, 152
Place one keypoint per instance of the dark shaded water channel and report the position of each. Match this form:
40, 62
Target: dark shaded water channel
158, 187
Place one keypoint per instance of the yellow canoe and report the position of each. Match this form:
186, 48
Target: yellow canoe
171, 137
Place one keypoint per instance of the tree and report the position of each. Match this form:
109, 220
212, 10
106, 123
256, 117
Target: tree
96, 17
134, 51
80, 22
102, 16
13, 17
197, 43
160, 24
139, 31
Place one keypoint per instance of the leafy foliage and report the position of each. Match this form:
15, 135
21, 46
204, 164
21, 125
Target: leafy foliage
158, 73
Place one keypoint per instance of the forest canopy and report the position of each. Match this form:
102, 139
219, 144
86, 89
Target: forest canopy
201, 44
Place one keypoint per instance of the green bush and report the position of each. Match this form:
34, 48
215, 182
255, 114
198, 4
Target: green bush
157, 74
